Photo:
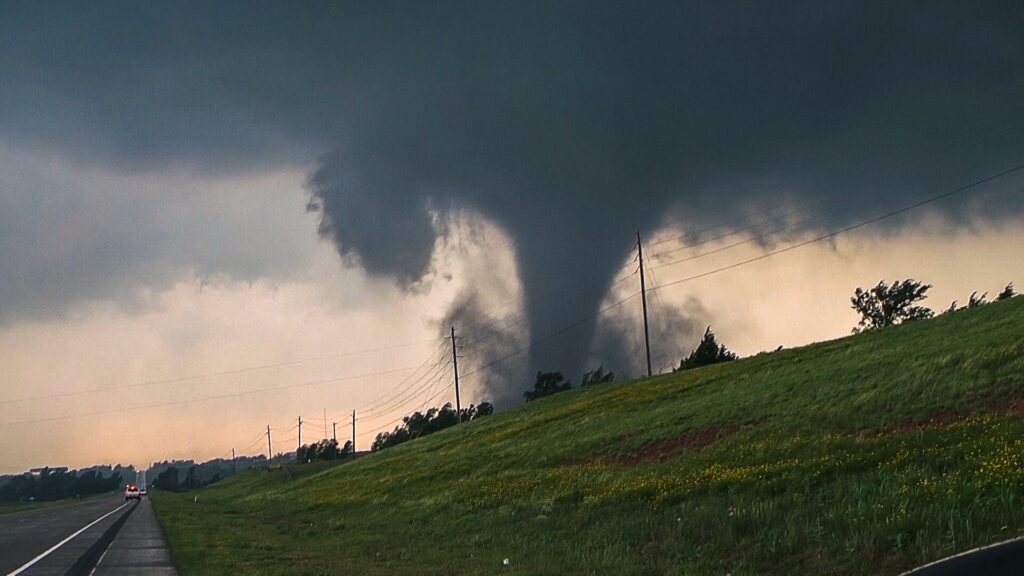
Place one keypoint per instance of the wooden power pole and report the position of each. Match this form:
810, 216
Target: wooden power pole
455, 363
643, 298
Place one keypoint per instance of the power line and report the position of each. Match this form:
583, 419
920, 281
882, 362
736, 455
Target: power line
388, 399
734, 244
733, 221
438, 353
662, 307
555, 334
752, 227
213, 374
397, 403
197, 400
259, 439
850, 228
658, 255
471, 341
438, 391
624, 278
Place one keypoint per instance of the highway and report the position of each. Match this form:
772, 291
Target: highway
1000, 559
72, 539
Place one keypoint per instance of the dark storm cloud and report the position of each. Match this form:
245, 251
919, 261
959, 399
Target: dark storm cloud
569, 124
66, 236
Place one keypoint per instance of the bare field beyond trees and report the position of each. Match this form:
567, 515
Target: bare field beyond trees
870, 454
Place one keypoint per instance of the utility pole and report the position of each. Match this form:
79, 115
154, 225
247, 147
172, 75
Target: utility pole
234, 467
643, 298
270, 451
325, 423
300, 434
455, 363
334, 428
353, 433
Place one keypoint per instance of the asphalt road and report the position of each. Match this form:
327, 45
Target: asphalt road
1002, 559
30, 536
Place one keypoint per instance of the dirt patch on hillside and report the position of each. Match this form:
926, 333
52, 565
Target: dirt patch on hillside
936, 421
661, 449
1007, 407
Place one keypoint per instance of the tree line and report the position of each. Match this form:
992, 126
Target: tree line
326, 449
57, 485
887, 305
420, 424
707, 352
182, 475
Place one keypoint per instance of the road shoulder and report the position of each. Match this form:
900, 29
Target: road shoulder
139, 548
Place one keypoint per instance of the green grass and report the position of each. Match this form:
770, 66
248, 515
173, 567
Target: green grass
866, 455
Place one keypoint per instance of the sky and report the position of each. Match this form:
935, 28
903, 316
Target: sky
219, 218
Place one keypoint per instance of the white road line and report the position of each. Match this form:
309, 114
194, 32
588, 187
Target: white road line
100, 561
63, 542
964, 553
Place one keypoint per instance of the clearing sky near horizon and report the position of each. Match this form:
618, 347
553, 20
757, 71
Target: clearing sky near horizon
217, 217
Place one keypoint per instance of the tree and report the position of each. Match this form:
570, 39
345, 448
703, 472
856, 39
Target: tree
975, 301
192, 478
597, 376
474, 412
547, 383
1007, 293
326, 449
884, 305
167, 480
708, 352
423, 423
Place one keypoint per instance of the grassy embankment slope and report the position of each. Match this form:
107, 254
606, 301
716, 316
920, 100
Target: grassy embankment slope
865, 455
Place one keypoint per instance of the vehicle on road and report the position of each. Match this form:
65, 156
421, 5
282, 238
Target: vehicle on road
131, 492
143, 492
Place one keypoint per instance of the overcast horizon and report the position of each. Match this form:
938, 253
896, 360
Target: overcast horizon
218, 218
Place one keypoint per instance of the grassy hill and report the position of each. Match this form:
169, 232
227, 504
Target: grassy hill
866, 455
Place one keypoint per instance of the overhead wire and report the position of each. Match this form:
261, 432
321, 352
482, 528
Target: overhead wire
850, 228
533, 343
439, 357
197, 400
231, 372
436, 393
734, 244
403, 400
722, 224
662, 308
734, 232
